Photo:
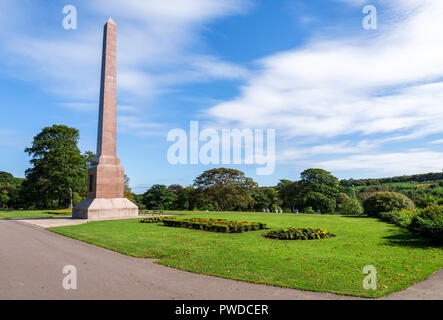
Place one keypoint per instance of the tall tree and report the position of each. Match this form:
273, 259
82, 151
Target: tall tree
318, 189
226, 189
159, 197
59, 169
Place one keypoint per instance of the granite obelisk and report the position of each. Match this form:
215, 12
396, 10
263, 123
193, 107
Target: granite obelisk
106, 176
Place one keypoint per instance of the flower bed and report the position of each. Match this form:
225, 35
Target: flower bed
297, 233
152, 220
65, 212
214, 225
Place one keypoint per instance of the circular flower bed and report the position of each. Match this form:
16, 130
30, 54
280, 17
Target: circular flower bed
296, 233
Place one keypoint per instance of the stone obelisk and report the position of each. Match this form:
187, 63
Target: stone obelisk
106, 176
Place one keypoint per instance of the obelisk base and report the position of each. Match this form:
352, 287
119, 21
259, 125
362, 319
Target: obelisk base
102, 209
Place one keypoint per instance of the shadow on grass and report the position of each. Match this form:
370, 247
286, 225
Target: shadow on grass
407, 239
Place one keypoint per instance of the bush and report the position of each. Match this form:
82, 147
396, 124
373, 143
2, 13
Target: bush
401, 218
309, 210
347, 205
429, 223
426, 201
215, 225
296, 233
152, 220
386, 202
63, 212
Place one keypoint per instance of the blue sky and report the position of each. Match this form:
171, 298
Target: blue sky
359, 103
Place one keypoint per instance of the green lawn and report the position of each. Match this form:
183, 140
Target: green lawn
331, 265
28, 214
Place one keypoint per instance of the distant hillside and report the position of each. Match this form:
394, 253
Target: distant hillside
427, 177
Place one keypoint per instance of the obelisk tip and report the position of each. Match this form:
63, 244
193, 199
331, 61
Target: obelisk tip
110, 21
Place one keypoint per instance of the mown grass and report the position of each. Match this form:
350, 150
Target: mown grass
330, 265
29, 214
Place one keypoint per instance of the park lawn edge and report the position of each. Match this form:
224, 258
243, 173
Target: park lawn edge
159, 260
173, 263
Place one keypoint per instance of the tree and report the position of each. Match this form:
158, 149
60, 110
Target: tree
159, 197
4, 198
128, 191
226, 189
319, 202
59, 169
318, 189
287, 192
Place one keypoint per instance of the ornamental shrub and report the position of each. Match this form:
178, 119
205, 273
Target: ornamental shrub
401, 218
214, 225
348, 206
66, 212
386, 202
297, 233
309, 210
429, 223
152, 220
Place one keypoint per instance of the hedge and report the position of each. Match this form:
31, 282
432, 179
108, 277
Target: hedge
152, 220
214, 225
427, 223
298, 233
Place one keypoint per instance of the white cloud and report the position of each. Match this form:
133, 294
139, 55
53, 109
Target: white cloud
380, 88
387, 163
158, 44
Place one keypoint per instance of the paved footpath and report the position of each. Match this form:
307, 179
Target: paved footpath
32, 260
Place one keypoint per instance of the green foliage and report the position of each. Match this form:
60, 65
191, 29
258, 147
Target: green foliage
214, 225
426, 200
265, 198
429, 223
226, 189
59, 212
320, 202
159, 197
348, 206
414, 178
287, 191
152, 220
402, 218
297, 233
309, 210
10, 188
58, 168
318, 189
386, 202
4, 198
128, 194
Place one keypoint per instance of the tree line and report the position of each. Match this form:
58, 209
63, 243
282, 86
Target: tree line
57, 178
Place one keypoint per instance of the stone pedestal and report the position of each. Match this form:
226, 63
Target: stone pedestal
101, 208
